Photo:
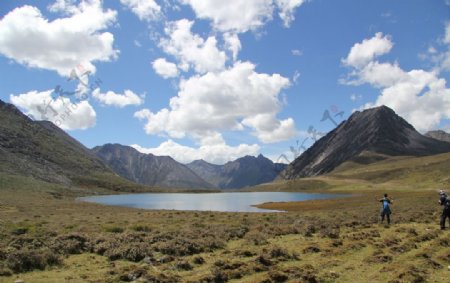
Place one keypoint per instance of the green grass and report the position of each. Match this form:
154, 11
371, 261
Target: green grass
323, 240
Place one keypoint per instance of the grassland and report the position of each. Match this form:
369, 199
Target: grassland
48, 236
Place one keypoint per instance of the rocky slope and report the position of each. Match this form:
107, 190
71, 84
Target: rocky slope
439, 135
148, 169
242, 172
41, 150
379, 130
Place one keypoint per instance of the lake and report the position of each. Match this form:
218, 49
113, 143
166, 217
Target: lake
225, 202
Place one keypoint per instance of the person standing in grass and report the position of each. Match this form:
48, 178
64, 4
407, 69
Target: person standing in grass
445, 201
386, 209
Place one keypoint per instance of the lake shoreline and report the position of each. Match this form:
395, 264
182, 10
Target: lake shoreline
216, 202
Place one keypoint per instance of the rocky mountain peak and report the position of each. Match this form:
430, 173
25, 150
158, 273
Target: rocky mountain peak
378, 130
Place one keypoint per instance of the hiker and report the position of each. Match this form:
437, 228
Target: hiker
445, 201
385, 209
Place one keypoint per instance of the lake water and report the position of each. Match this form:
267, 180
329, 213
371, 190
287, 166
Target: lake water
226, 202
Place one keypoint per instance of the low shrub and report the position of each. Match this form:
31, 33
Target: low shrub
70, 244
132, 251
114, 229
28, 260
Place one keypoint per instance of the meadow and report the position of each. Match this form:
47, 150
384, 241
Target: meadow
46, 235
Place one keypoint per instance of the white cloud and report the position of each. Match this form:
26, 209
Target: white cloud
355, 97
228, 100
28, 38
297, 52
243, 15
147, 10
439, 54
447, 33
377, 74
233, 15
217, 153
444, 57
61, 111
64, 6
164, 68
115, 99
419, 96
232, 43
364, 52
296, 76
192, 50
287, 9
269, 129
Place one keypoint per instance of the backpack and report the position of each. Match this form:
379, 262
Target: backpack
447, 203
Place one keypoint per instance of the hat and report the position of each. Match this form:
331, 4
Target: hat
441, 192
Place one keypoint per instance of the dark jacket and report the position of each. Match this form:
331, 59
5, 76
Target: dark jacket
445, 201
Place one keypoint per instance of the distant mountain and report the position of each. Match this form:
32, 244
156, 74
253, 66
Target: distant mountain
439, 135
41, 150
379, 130
243, 172
148, 169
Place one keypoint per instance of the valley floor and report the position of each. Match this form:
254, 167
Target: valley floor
48, 236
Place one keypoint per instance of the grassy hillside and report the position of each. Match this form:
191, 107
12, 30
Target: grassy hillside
371, 171
39, 150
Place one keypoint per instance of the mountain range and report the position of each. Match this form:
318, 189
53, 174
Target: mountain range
41, 150
377, 130
439, 135
164, 171
243, 172
148, 169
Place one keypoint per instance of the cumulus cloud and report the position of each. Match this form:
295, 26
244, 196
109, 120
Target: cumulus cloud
111, 98
164, 68
64, 6
268, 129
218, 153
192, 50
61, 111
287, 9
243, 15
234, 15
420, 96
28, 38
232, 43
233, 99
146, 10
364, 52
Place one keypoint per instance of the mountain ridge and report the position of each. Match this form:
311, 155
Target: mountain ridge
41, 150
148, 169
242, 172
379, 130
439, 135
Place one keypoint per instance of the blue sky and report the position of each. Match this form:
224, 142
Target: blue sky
217, 80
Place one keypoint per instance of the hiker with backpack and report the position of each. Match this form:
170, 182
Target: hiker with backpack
444, 200
385, 208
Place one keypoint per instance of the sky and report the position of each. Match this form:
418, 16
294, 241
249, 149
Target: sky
218, 80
